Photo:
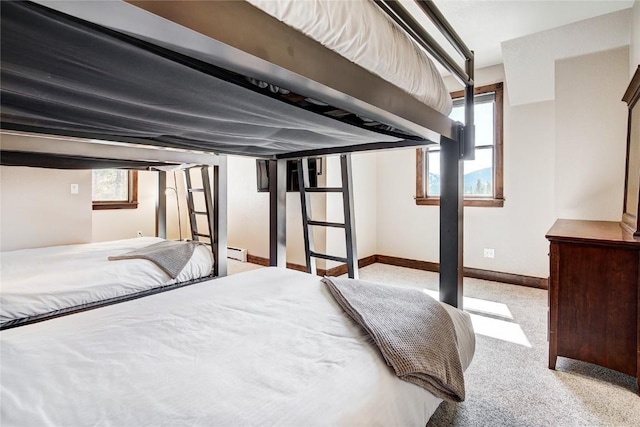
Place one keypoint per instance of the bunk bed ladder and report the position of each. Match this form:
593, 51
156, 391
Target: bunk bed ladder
349, 220
207, 197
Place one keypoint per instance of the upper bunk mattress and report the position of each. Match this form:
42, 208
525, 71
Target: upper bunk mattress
40, 282
136, 76
359, 31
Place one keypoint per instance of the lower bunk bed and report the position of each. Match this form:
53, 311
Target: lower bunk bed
42, 283
270, 346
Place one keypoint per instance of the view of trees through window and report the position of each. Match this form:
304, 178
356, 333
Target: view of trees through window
478, 173
483, 177
110, 185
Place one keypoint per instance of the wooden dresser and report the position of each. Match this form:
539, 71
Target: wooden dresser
593, 295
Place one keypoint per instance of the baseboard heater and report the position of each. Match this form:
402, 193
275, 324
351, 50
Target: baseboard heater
237, 254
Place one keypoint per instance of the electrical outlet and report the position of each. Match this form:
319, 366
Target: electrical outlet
75, 188
489, 253
139, 233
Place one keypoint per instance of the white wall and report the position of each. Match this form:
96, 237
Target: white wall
634, 49
519, 228
403, 229
365, 189
364, 176
562, 158
115, 224
248, 210
37, 208
591, 135
516, 231
531, 58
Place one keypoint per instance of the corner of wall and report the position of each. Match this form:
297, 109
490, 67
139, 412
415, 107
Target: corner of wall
634, 48
590, 135
38, 209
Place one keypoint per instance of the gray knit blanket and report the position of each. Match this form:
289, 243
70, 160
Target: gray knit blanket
170, 256
414, 333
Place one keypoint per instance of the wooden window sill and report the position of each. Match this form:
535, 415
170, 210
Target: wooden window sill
487, 203
98, 206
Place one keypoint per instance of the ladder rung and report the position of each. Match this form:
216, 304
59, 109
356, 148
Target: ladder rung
199, 213
323, 190
202, 235
326, 224
329, 257
195, 190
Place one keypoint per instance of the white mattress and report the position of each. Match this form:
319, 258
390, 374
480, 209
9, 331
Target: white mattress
43, 280
267, 347
359, 31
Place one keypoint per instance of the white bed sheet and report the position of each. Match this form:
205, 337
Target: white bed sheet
42, 280
359, 31
265, 347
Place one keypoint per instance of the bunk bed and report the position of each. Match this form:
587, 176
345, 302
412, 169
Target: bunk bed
91, 71
44, 283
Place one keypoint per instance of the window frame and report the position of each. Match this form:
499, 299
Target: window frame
422, 198
130, 203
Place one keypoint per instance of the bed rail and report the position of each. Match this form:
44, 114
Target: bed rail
419, 34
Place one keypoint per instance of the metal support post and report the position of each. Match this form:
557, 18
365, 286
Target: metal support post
469, 137
278, 213
451, 222
349, 216
161, 206
305, 203
219, 239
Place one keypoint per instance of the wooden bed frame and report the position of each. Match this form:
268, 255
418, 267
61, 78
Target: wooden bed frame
284, 57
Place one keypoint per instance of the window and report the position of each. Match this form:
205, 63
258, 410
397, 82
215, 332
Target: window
483, 185
114, 189
262, 173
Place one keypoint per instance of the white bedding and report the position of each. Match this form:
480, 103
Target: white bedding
39, 281
359, 31
267, 347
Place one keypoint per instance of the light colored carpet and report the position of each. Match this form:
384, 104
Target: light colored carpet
508, 382
234, 266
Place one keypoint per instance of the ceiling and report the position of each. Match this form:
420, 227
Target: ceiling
485, 24
529, 36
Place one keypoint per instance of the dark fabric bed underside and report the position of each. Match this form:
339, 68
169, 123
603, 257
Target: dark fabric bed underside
63, 76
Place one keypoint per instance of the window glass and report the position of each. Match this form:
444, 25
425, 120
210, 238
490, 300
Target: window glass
483, 178
483, 117
110, 185
478, 174
114, 189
